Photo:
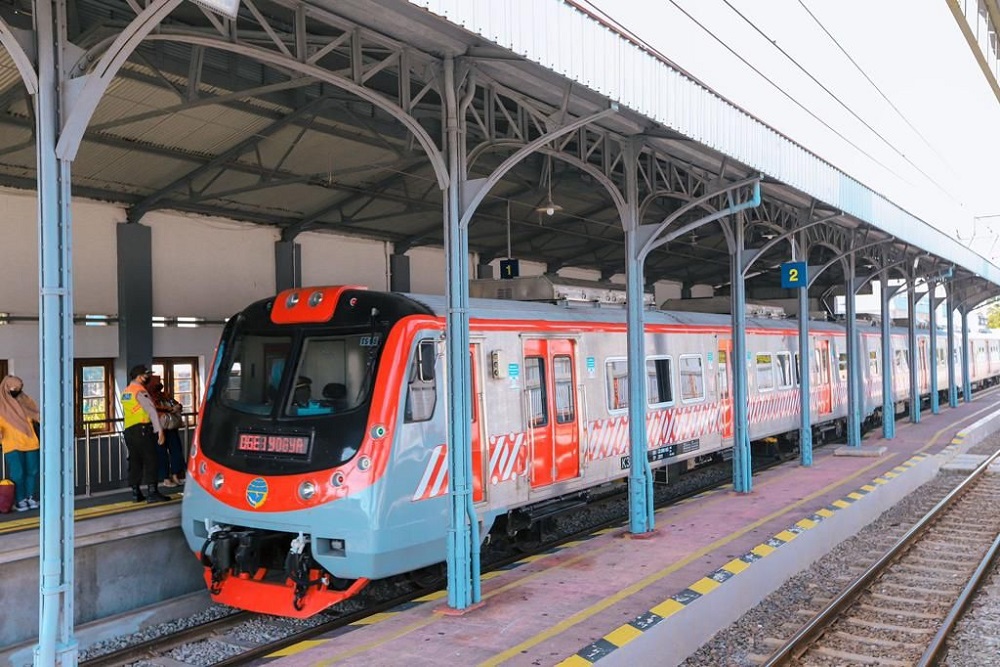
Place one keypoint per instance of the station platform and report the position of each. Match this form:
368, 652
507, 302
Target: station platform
85, 507
619, 600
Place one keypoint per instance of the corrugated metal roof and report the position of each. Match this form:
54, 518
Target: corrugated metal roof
564, 40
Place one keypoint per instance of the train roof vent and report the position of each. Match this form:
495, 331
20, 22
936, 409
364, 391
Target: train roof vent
550, 288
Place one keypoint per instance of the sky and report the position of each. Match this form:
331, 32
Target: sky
888, 91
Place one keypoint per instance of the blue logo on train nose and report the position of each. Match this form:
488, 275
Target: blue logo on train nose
257, 492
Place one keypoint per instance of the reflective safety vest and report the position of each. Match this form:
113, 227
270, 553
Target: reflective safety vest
133, 411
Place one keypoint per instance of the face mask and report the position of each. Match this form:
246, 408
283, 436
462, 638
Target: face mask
14, 393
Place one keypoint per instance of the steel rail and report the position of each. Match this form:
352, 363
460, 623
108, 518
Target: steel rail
936, 647
807, 634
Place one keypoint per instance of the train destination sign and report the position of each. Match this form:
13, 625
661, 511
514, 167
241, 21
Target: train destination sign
271, 443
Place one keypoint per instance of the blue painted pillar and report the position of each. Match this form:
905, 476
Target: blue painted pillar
463, 531
911, 344
952, 380
56, 643
641, 517
966, 377
888, 401
932, 323
805, 396
742, 467
853, 365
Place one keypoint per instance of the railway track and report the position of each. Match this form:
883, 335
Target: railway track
901, 609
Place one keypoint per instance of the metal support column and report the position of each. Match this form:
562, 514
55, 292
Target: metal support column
911, 345
463, 532
950, 318
287, 265
641, 517
742, 482
56, 643
888, 402
932, 305
853, 364
966, 377
805, 390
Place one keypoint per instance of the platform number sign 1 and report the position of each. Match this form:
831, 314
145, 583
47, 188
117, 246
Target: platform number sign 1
793, 275
509, 268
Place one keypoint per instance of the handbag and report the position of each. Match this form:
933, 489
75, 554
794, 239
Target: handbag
170, 421
6, 495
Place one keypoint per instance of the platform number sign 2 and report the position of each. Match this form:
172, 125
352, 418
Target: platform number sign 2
793, 275
509, 268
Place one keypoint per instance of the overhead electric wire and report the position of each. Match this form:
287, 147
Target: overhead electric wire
833, 95
779, 88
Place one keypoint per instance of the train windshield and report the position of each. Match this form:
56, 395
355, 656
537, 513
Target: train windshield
332, 374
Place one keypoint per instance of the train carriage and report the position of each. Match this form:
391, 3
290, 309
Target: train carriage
321, 459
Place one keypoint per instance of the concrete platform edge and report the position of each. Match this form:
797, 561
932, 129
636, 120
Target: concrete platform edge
673, 640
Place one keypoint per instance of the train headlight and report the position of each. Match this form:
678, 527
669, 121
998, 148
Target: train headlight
337, 479
203, 468
315, 299
218, 481
194, 450
307, 490
378, 431
292, 300
364, 463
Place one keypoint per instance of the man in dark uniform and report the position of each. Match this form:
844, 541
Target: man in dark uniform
143, 434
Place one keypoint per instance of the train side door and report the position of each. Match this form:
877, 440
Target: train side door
924, 377
551, 410
824, 398
476, 425
722, 383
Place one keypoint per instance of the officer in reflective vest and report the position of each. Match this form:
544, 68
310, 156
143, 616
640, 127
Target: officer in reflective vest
143, 434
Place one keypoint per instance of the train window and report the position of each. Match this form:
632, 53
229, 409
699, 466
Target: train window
421, 393
617, 370
659, 390
842, 366
873, 368
562, 373
765, 373
692, 377
902, 358
255, 366
93, 386
940, 356
534, 385
784, 369
798, 369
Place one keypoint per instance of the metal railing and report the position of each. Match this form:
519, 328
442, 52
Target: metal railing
101, 456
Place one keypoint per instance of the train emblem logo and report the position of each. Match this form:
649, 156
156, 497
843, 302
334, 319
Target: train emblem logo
257, 492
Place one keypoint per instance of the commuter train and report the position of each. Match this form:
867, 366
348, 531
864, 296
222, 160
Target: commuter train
320, 460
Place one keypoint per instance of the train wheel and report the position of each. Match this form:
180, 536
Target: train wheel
428, 577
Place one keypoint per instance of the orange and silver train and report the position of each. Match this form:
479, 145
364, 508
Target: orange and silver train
320, 461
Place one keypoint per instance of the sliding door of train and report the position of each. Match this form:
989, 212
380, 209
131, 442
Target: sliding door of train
550, 400
722, 383
824, 378
924, 378
476, 424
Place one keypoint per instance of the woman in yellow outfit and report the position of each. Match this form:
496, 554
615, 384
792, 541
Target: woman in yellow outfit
20, 442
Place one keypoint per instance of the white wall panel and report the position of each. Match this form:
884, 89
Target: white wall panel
341, 260
208, 267
427, 270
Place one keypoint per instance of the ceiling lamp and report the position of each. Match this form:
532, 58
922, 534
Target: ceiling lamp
549, 207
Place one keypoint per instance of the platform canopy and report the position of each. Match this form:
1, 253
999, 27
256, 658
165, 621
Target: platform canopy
312, 117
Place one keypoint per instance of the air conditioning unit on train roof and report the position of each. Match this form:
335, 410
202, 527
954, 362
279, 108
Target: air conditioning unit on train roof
723, 305
551, 288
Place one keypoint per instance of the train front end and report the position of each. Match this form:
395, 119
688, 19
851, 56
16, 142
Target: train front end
286, 472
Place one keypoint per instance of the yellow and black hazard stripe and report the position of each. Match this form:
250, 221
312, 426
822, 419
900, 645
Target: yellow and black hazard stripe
628, 632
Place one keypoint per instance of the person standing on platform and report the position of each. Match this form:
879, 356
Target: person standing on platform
18, 417
143, 433
171, 454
